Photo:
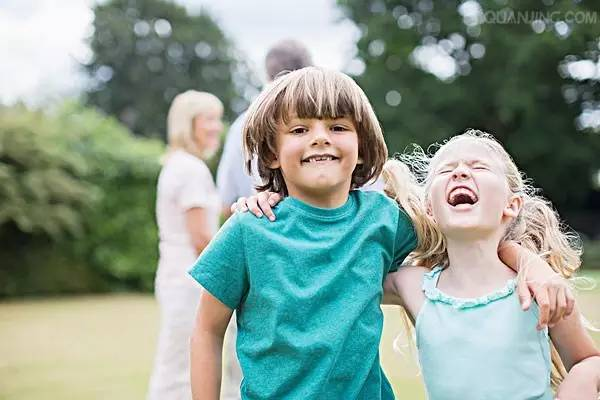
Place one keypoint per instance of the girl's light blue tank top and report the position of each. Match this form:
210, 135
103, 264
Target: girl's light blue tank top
484, 348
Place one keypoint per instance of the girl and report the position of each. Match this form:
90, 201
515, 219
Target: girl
473, 340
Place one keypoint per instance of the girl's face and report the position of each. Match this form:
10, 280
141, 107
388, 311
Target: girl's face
468, 193
207, 128
317, 156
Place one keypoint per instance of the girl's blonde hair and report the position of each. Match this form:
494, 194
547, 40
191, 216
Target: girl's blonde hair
311, 92
180, 121
537, 228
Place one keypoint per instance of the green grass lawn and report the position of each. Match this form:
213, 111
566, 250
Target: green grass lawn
101, 347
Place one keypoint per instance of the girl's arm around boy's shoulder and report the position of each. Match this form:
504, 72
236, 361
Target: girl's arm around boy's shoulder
404, 288
580, 357
405, 240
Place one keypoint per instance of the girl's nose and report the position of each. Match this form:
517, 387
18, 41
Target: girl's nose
461, 172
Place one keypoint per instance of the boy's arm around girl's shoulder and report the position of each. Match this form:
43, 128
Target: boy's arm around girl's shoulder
404, 288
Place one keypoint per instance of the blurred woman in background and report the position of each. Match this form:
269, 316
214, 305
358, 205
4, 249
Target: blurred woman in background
187, 212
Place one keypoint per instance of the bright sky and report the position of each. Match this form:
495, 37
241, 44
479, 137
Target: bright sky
42, 41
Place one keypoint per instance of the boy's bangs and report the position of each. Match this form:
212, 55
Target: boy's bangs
319, 96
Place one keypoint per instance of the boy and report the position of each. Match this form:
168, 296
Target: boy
307, 287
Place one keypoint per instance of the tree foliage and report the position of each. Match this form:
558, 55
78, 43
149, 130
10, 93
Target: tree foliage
147, 51
77, 194
40, 192
433, 69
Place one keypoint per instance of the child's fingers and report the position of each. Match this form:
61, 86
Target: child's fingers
555, 312
252, 204
570, 302
239, 205
274, 198
561, 307
265, 206
541, 296
524, 294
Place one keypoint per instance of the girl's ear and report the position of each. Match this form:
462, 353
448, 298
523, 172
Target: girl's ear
513, 207
360, 161
428, 209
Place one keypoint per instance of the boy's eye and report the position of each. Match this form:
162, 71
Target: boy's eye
298, 130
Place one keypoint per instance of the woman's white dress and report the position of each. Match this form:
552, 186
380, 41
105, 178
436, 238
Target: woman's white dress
185, 182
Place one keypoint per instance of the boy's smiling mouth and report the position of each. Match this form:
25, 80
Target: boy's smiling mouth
319, 159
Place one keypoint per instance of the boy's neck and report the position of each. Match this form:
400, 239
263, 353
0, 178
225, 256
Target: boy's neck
333, 199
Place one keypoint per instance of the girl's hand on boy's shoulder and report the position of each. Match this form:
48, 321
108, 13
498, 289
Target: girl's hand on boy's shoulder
259, 204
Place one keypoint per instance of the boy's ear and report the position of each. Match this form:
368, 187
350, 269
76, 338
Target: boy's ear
513, 207
275, 163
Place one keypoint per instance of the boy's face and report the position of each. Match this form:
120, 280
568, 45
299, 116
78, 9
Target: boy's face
317, 157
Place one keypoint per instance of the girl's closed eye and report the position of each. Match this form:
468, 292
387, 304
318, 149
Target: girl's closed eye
480, 167
445, 170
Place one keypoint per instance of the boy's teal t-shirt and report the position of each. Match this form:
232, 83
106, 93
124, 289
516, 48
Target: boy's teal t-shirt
307, 290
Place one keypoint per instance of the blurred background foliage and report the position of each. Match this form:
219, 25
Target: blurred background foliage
77, 180
76, 202
147, 51
434, 69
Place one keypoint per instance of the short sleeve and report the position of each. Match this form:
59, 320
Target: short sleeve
221, 268
406, 240
194, 190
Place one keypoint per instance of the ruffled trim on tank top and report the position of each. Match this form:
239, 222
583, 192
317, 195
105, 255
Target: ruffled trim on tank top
434, 294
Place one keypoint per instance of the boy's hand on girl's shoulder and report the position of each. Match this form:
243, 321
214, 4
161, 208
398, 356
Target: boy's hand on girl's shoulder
553, 296
259, 204
540, 283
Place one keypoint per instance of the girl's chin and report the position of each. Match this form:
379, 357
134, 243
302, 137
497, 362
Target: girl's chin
465, 207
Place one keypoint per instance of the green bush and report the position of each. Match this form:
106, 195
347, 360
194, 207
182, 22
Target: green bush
591, 255
77, 193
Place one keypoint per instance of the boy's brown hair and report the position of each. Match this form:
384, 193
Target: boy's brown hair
311, 92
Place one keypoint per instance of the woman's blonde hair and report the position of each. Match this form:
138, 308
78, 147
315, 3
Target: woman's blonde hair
537, 228
180, 121
311, 92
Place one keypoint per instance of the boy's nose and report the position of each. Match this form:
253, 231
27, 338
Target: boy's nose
321, 136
